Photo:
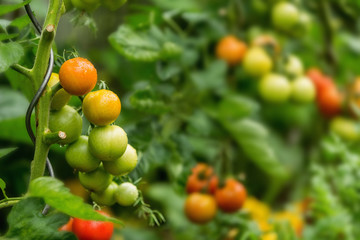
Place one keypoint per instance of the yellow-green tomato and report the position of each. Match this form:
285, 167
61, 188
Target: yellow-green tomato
285, 15
346, 128
303, 90
126, 194
123, 165
108, 143
97, 180
107, 197
294, 66
68, 120
79, 157
257, 62
274, 88
61, 97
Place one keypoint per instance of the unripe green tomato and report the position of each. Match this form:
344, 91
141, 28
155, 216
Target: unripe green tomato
303, 90
346, 128
126, 194
285, 15
79, 157
87, 5
97, 180
274, 88
68, 120
257, 62
107, 197
123, 165
108, 143
61, 97
113, 4
294, 66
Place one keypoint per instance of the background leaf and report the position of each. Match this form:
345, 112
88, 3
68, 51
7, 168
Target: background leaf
10, 53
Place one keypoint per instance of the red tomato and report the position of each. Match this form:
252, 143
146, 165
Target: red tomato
320, 81
68, 226
93, 230
202, 178
330, 101
231, 197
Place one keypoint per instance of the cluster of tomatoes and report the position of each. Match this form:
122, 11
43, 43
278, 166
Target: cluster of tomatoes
256, 62
207, 193
103, 154
88, 229
91, 5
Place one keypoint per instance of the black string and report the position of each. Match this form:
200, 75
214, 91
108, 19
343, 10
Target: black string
38, 94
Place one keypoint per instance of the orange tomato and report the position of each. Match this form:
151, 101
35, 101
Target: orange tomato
231, 197
202, 178
200, 208
320, 81
68, 226
231, 49
78, 76
330, 101
101, 107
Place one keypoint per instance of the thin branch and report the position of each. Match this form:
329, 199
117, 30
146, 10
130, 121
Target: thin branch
8, 202
21, 69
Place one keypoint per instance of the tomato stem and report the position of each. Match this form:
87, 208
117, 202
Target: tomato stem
21, 69
53, 137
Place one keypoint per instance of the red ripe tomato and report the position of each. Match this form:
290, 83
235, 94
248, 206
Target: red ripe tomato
93, 230
320, 81
330, 101
200, 179
231, 197
68, 226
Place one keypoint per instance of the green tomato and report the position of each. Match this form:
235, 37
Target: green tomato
274, 88
97, 180
68, 120
87, 5
108, 143
285, 16
346, 128
303, 90
113, 4
294, 66
79, 157
257, 62
107, 197
123, 165
126, 194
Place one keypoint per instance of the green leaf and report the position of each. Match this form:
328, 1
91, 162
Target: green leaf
4, 23
14, 130
213, 77
19, 82
26, 222
6, 151
252, 137
9, 8
12, 104
148, 46
10, 53
236, 106
183, 5
145, 100
4, 36
21, 22
2, 185
59, 197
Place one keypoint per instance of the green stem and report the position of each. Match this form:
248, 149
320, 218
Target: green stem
37, 74
23, 70
9, 202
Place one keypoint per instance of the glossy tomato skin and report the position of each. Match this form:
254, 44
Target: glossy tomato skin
68, 120
123, 165
285, 15
78, 76
200, 208
257, 62
108, 143
106, 197
329, 101
68, 226
231, 197
126, 194
101, 107
303, 90
97, 180
61, 97
274, 88
93, 230
79, 157
231, 50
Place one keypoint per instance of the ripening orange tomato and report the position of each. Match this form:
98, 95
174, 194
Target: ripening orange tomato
68, 226
231, 49
201, 179
78, 76
200, 208
330, 101
231, 197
